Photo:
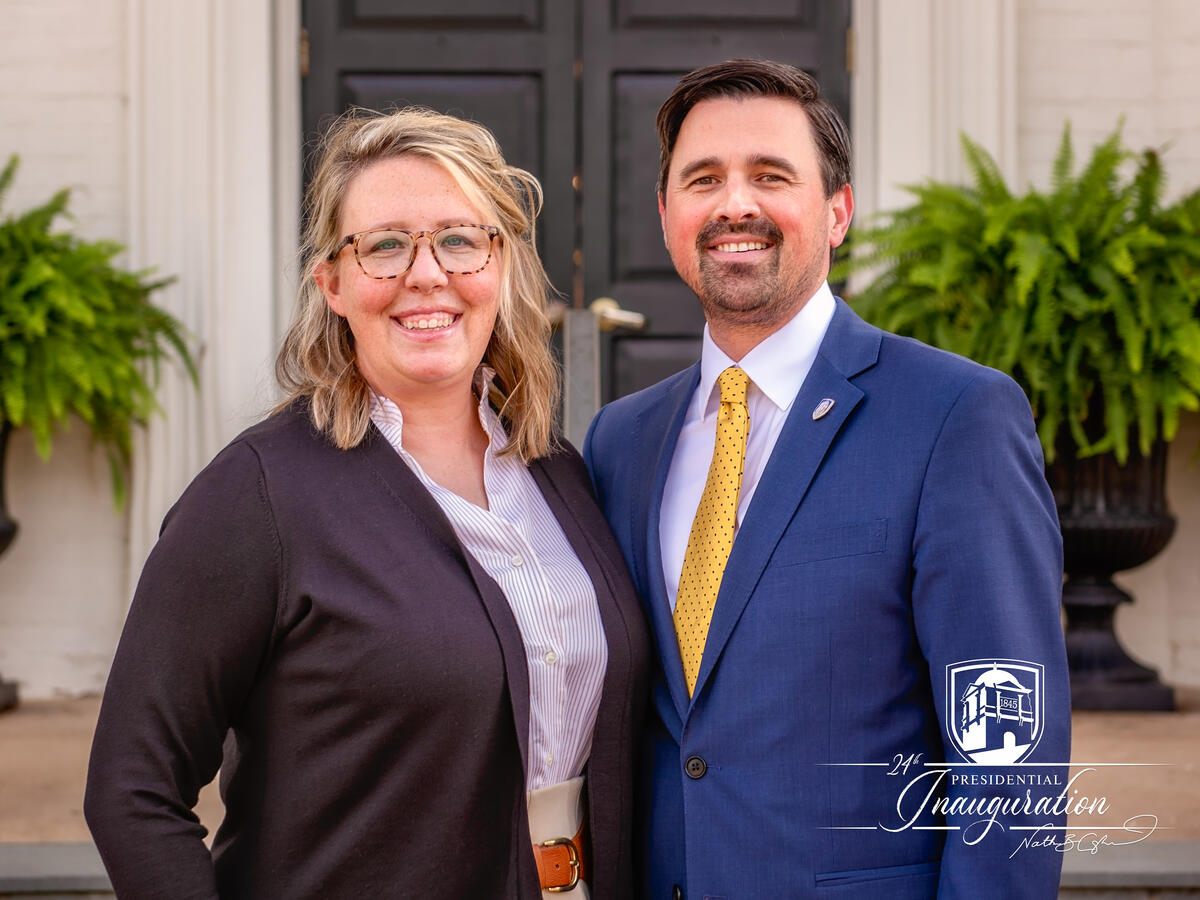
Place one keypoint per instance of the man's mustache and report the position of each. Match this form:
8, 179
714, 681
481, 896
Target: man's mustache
761, 227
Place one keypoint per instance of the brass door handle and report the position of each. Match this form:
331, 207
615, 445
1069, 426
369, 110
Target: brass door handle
609, 315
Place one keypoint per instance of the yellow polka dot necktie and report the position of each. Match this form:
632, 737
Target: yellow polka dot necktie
712, 530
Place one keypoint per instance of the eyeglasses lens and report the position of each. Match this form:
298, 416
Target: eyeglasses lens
460, 249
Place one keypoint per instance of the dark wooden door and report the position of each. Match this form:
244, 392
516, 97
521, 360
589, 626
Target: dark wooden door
570, 88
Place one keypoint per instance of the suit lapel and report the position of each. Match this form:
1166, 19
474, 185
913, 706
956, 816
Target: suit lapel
658, 427
850, 345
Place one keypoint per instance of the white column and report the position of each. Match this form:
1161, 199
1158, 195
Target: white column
975, 84
925, 71
207, 204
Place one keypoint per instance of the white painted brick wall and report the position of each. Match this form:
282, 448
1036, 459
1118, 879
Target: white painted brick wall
1093, 61
63, 109
62, 106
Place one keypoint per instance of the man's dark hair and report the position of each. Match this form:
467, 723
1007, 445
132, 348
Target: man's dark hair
759, 78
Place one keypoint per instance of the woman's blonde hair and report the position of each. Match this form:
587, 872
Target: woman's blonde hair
317, 359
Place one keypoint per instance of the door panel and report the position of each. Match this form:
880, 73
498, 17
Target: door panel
638, 249
641, 361
511, 103
668, 12
507, 13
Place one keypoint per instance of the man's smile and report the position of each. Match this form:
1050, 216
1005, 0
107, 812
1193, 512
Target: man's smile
739, 246
753, 238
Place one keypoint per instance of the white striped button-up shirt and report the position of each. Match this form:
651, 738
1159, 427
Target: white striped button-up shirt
520, 544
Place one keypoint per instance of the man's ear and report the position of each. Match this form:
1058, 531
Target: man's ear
841, 211
662, 216
326, 275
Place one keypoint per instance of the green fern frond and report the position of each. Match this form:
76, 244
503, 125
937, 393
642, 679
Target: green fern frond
986, 174
1148, 185
1063, 167
6, 176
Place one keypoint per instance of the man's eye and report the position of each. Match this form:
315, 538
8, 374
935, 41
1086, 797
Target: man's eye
704, 180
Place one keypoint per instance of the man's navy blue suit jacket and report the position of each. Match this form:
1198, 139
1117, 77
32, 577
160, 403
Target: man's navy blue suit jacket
908, 531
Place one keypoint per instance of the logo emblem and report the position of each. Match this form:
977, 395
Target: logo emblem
994, 709
822, 408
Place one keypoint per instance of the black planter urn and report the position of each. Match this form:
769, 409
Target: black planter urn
1114, 517
8, 530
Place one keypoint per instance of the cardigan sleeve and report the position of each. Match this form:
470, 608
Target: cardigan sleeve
198, 631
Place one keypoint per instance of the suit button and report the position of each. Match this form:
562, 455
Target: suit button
677, 893
695, 767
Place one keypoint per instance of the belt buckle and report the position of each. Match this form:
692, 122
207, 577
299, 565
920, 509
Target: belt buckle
572, 861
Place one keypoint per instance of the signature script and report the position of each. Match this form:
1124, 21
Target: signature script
1138, 827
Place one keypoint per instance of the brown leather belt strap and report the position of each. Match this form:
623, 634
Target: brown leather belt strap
562, 862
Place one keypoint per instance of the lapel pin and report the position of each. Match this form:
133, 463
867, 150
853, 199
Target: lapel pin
822, 408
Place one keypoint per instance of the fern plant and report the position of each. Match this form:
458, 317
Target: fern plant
78, 335
1088, 294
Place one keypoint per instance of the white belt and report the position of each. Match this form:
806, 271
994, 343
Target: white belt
555, 819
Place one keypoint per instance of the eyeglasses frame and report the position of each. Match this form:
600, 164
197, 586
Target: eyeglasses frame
352, 239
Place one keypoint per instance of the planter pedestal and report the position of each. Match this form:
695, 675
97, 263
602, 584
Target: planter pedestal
1113, 518
8, 528
1103, 675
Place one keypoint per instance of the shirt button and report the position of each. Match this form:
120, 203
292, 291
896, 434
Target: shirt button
551, 657
517, 561
695, 767
549, 759
676, 893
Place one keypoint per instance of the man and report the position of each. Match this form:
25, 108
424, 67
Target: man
846, 547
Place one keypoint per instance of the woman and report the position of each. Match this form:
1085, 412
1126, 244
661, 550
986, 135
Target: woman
395, 597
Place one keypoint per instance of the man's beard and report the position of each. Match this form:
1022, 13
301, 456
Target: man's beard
745, 293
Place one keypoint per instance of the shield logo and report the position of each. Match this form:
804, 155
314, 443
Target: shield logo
994, 709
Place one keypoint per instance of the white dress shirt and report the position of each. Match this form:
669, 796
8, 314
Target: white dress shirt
520, 544
777, 368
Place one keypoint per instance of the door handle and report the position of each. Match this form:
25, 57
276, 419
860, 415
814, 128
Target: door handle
609, 315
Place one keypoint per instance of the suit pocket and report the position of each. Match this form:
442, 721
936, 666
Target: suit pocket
910, 882
833, 542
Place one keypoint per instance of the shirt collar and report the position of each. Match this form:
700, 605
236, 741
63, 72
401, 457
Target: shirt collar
390, 420
778, 364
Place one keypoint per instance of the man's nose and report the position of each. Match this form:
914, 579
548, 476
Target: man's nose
738, 202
